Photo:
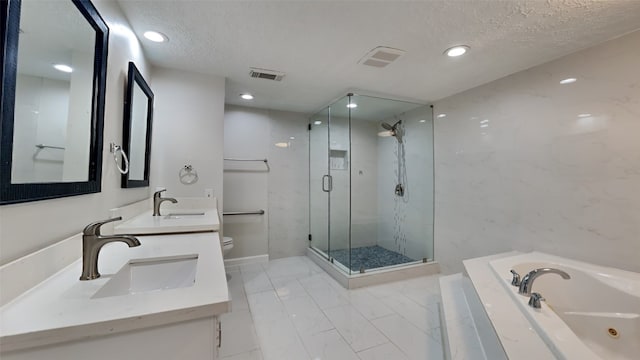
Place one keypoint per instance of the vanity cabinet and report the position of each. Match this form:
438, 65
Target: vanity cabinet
196, 339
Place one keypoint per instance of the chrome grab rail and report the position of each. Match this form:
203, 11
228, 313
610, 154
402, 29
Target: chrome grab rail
255, 212
43, 146
265, 161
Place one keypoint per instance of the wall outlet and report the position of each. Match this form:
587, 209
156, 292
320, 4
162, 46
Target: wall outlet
208, 193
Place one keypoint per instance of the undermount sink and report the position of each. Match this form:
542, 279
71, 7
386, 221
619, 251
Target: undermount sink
182, 214
155, 274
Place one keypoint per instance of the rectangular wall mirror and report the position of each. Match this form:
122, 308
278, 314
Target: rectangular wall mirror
54, 64
136, 137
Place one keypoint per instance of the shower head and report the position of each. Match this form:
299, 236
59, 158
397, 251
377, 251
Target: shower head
394, 130
391, 127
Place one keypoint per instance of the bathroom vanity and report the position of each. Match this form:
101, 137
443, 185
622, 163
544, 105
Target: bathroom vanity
107, 318
187, 215
159, 300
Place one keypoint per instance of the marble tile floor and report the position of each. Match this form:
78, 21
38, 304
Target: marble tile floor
290, 309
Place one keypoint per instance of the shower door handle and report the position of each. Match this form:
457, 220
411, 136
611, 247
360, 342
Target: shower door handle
329, 183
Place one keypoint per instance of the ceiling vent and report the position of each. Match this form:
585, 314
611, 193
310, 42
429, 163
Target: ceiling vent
266, 74
381, 56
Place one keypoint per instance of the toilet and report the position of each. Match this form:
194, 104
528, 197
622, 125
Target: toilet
227, 245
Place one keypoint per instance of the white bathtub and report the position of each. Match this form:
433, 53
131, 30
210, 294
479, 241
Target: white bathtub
593, 315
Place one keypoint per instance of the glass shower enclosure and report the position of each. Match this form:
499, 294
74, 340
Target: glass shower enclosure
371, 183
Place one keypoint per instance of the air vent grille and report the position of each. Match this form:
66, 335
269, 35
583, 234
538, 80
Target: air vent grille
381, 56
266, 74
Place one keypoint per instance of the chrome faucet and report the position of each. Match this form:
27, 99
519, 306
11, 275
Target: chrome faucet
92, 243
527, 281
158, 199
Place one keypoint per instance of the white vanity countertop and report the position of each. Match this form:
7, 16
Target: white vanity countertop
146, 223
62, 309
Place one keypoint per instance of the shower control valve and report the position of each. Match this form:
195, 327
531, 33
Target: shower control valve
399, 190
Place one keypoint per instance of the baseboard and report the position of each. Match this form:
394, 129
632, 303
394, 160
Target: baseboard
258, 259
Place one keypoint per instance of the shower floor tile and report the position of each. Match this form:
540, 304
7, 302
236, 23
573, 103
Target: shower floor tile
369, 257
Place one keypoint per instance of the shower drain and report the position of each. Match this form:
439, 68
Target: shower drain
613, 332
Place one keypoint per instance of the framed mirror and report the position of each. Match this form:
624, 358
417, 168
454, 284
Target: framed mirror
136, 137
54, 66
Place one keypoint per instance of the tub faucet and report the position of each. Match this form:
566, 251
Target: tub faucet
527, 280
515, 280
534, 300
92, 243
158, 199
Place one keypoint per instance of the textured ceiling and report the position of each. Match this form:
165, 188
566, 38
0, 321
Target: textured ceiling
318, 43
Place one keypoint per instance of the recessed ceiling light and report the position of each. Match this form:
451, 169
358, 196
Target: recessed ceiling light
63, 68
292, 137
484, 125
568, 81
440, 116
422, 121
246, 96
317, 122
584, 115
484, 121
155, 36
352, 105
456, 50
282, 145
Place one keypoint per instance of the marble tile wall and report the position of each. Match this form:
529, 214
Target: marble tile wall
405, 224
527, 163
282, 192
288, 185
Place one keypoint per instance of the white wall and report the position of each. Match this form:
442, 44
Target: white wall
540, 176
27, 227
188, 129
405, 224
282, 192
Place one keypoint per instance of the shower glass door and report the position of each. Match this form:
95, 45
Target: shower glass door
340, 184
319, 182
371, 183
330, 184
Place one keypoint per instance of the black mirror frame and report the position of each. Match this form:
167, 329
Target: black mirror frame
17, 193
135, 77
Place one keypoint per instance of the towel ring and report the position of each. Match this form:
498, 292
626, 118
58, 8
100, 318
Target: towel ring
115, 149
188, 175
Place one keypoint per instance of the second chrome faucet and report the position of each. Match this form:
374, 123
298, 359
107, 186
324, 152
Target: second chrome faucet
158, 199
